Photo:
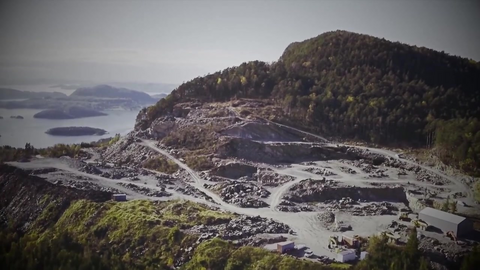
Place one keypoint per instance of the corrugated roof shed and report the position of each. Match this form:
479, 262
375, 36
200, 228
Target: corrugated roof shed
442, 215
286, 243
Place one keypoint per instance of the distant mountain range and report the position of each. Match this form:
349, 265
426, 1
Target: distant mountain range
138, 86
98, 98
7, 93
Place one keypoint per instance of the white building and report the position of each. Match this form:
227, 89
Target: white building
346, 255
446, 222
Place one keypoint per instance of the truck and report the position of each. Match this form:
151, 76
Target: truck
285, 246
351, 242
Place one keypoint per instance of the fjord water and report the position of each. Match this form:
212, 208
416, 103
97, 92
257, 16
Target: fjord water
18, 132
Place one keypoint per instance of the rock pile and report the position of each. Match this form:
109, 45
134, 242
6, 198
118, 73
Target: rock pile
424, 176
348, 170
295, 209
327, 191
326, 219
242, 194
145, 191
268, 178
165, 179
371, 209
187, 189
319, 171
241, 227
90, 169
444, 252
308, 190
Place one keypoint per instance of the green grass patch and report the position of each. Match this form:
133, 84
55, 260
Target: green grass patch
161, 164
337, 265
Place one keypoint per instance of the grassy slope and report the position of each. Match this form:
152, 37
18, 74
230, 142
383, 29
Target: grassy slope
144, 234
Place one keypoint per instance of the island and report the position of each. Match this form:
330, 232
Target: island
76, 131
107, 91
16, 117
68, 113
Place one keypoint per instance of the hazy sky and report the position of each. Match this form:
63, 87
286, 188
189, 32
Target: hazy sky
174, 41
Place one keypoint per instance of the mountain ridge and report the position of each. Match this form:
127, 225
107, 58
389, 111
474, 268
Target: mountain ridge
9, 93
347, 85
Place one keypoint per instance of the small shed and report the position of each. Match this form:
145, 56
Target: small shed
119, 197
346, 255
446, 221
285, 246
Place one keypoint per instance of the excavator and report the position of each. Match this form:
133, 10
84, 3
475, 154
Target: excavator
333, 242
391, 237
420, 224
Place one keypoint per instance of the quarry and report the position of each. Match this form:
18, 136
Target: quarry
284, 183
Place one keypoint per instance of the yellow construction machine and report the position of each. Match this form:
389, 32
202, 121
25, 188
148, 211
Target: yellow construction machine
392, 238
420, 224
333, 242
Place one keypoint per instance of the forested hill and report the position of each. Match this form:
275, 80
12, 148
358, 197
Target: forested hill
361, 87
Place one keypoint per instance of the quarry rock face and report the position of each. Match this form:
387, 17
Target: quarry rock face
161, 127
24, 197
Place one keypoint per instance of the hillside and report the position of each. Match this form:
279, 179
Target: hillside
106, 91
7, 93
47, 226
353, 86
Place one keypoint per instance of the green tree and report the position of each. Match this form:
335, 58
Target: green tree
446, 205
411, 252
472, 260
453, 206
